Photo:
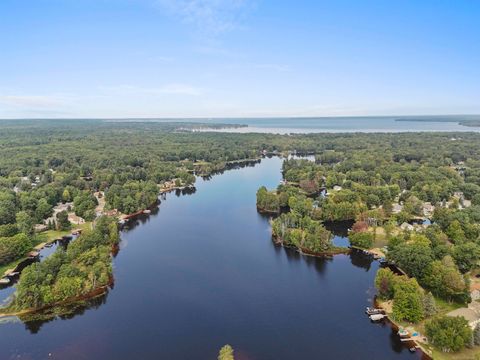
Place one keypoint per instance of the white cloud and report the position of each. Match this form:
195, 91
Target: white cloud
210, 16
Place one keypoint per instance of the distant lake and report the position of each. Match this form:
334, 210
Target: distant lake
343, 124
201, 272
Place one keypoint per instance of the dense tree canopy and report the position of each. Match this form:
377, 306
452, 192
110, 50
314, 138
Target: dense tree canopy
449, 333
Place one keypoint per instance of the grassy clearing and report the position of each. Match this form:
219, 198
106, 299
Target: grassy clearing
51, 235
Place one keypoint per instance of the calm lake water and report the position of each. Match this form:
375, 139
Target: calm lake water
202, 272
345, 124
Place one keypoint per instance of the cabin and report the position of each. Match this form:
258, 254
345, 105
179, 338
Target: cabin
396, 208
475, 289
428, 209
465, 203
74, 219
458, 195
113, 212
40, 228
407, 227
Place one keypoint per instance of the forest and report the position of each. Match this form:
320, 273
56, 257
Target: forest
414, 199
53, 170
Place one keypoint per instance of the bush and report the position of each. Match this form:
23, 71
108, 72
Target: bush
14, 247
362, 240
8, 230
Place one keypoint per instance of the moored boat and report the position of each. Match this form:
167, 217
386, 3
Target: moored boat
372, 311
377, 317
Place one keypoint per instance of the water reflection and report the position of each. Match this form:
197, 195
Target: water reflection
206, 273
361, 260
34, 322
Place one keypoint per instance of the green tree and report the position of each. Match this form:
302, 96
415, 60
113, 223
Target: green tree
66, 196
466, 256
62, 221
14, 247
455, 232
407, 300
385, 282
362, 240
476, 335
267, 201
449, 333
43, 210
226, 353
412, 256
444, 279
413, 206
429, 305
24, 223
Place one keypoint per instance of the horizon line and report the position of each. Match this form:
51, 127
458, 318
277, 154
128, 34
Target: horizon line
236, 117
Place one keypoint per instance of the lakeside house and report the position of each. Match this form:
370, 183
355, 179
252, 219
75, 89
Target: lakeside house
74, 219
407, 227
58, 208
396, 208
40, 228
474, 289
113, 212
458, 195
428, 209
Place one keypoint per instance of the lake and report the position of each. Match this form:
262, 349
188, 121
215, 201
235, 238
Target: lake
368, 124
201, 272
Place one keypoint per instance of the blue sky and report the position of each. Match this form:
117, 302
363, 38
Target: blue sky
215, 58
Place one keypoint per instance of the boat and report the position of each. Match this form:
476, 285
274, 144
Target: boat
403, 333
33, 254
372, 311
4, 281
377, 317
13, 273
147, 211
412, 349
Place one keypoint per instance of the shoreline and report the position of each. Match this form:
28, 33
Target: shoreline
395, 327
99, 291
303, 251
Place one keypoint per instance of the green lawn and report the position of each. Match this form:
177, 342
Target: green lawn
51, 235
46, 236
